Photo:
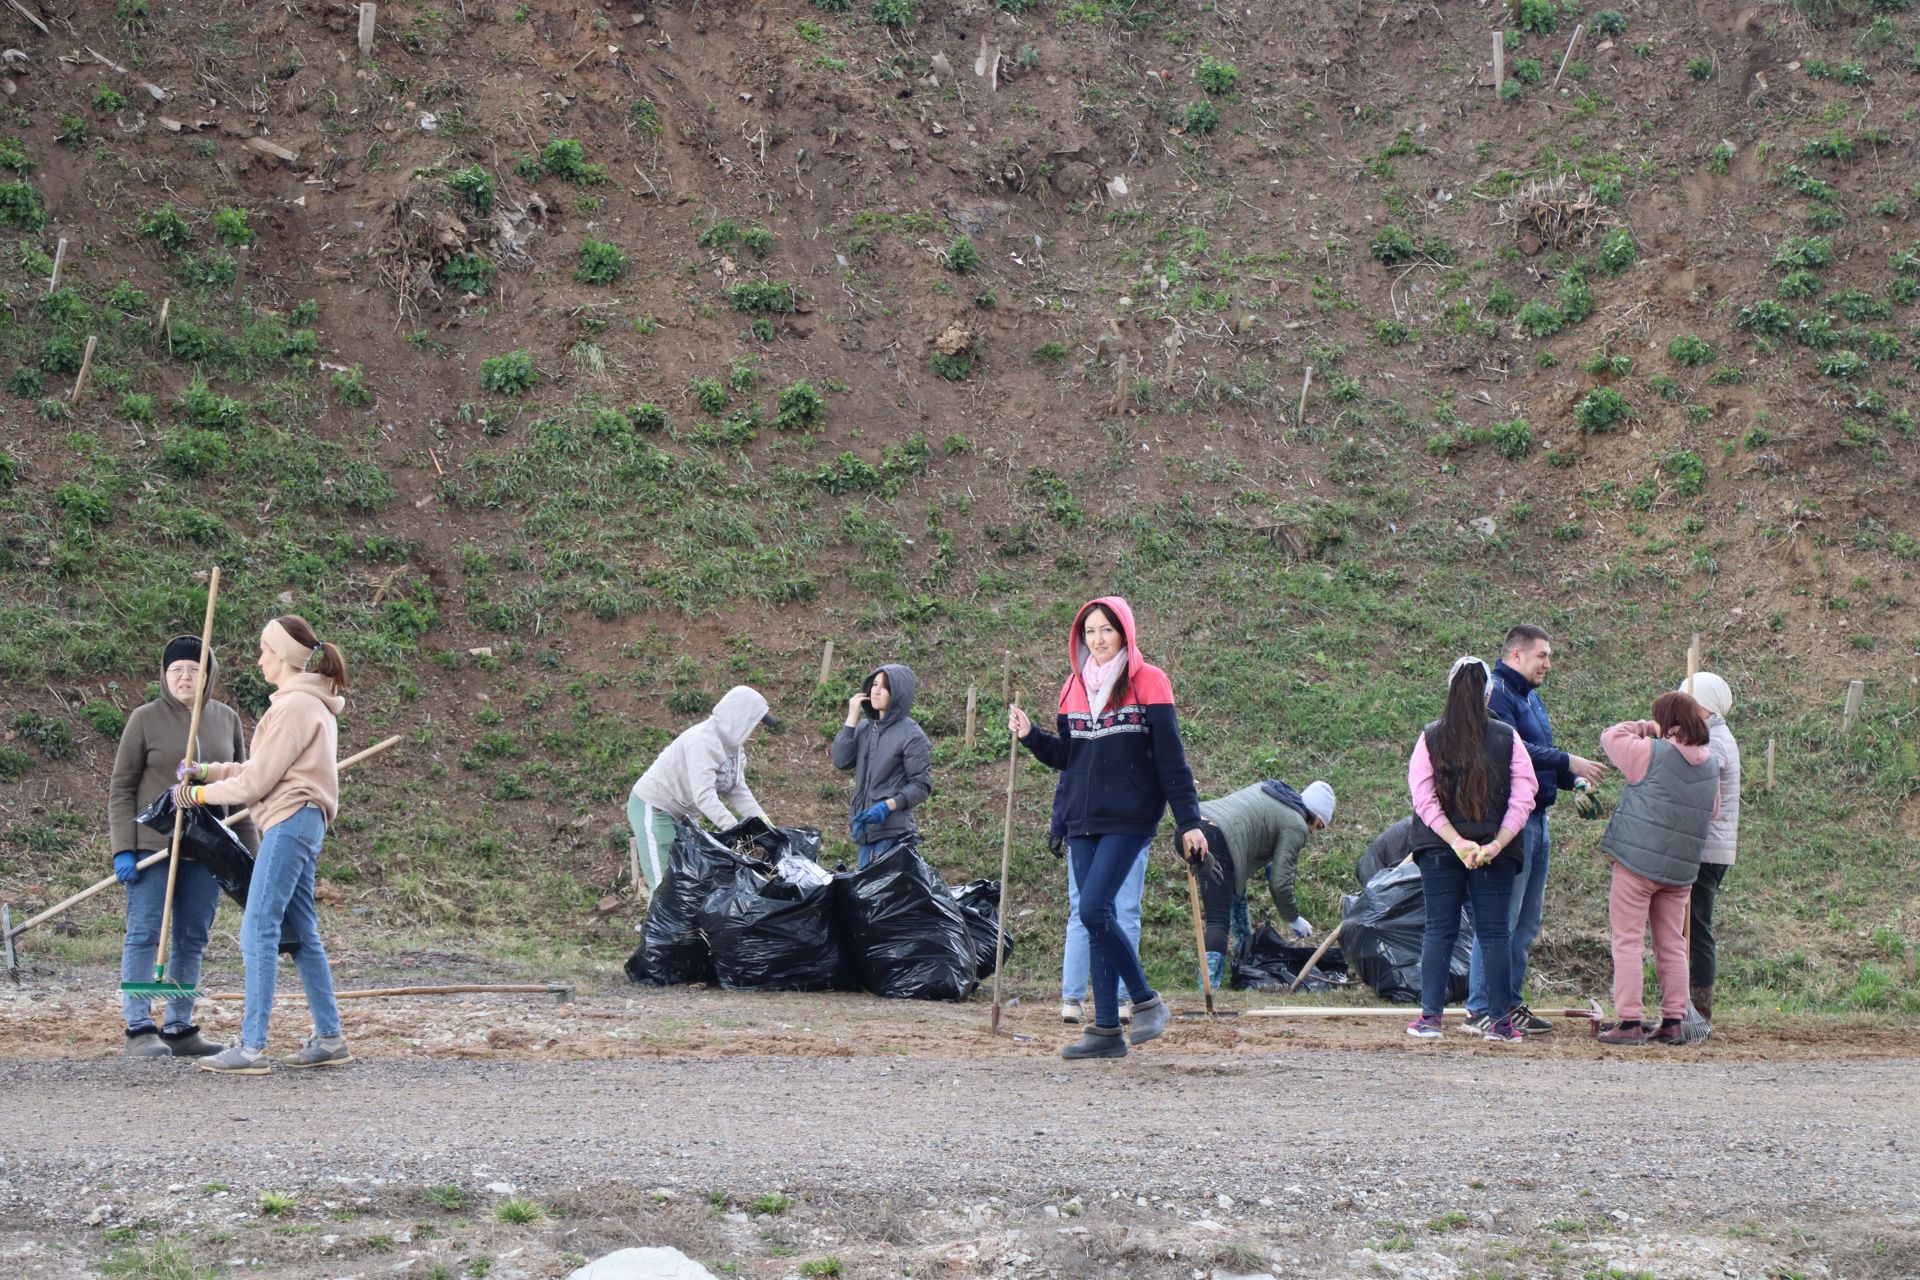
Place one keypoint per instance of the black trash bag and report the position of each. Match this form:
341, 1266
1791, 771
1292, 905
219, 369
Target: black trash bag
774, 936
1381, 931
206, 841
672, 948
756, 839
905, 935
980, 901
1269, 962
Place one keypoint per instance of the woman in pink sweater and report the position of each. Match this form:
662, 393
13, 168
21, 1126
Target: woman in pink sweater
292, 783
1656, 837
1472, 784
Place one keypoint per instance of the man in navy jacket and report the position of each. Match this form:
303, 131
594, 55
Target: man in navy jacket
1514, 697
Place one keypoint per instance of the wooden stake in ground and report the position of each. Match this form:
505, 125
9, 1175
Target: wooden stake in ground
59, 257
1578, 31
161, 326
1769, 764
1851, 712
973, 693
1006, 871
1499, 59
240, 257
86, 365
826, 663
368, 12
1300, 414
1693, 663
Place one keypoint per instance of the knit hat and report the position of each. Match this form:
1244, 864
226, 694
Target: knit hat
1319, 801
181, 649
1711, 692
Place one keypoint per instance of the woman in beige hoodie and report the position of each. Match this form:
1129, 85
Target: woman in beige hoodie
292, 783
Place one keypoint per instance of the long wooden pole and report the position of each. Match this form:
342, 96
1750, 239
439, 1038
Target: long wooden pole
1199, 936
156, 858
1325, 945
454, 989
179, 813
1006, 870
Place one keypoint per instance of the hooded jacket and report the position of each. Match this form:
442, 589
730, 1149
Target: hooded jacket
1514, 699
704, 770
890, 757
1672, 795
152, 746
294, 759
1723, 834
1119, 770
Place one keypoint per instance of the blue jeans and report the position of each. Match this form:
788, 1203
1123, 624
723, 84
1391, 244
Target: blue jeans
1444, 882
1523, 913
195, 898
1102, 866
1075, 965
282, 890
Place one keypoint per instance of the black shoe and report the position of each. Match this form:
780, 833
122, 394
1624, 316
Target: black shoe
1529, 1022
1097, 1042
187, 1042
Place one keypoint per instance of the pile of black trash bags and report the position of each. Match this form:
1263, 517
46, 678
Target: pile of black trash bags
1382, 925
751, 909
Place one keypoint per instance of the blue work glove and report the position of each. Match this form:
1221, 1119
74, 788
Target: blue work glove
872, 814
1300, 927
126, 866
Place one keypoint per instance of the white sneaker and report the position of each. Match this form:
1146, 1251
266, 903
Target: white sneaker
1071, 1013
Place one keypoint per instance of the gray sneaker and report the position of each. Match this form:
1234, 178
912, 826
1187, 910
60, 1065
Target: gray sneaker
319, 1051
238, 1060
1149, 1020
145, 1043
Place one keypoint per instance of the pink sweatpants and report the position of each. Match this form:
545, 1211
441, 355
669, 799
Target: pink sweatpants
1634, 902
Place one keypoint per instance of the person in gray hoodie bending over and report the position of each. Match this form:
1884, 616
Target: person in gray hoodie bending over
891, 759
1256, 830
702, 773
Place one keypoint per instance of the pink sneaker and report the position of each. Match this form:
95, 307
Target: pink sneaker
1426, 1026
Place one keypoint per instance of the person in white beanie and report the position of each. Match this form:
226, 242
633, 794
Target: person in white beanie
1703, 949
1256, 830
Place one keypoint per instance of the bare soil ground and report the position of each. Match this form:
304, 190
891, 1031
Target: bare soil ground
906, 1141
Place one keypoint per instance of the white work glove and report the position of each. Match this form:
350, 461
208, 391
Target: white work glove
1300, 927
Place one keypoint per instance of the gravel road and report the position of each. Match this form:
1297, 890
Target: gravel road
1650, 1138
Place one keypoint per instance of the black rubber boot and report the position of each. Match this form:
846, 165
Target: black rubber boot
187, 1042
1097, 1042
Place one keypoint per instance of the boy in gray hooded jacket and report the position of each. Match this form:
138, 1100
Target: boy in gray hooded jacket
891, 759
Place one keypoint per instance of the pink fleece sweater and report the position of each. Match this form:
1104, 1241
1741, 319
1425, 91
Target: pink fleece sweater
1523, 784
1629, 745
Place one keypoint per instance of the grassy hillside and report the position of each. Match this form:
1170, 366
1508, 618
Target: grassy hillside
583, 362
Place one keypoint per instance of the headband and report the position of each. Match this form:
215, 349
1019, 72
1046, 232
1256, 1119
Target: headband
291, 651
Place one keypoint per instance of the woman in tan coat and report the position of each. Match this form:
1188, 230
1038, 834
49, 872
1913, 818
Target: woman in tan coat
292, 783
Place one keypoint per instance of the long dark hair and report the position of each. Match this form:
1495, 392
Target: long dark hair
328, 661
1117, 696
1458, 745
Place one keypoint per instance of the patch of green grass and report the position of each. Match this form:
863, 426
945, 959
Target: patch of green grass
519, 1212
773, 1203
161, 1260
447, 1196
828, 1266
273, 1204
600, 262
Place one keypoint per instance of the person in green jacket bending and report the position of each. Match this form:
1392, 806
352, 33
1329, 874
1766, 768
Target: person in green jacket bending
1260, 828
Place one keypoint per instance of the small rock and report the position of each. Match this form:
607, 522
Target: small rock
501, 1188
1484, 524
1224, 1201
643, 1264
99, 1215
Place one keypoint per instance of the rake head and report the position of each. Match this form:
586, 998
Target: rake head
158, 990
